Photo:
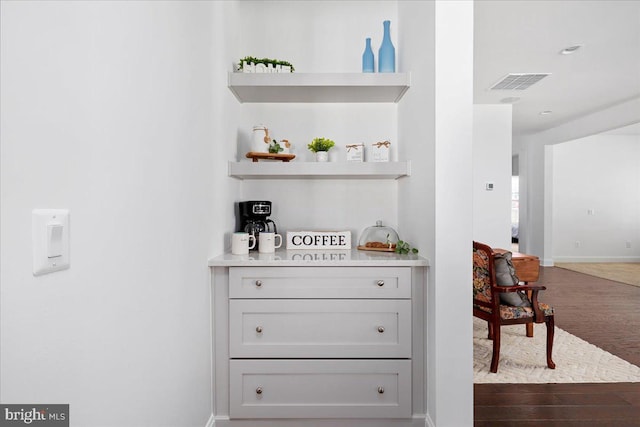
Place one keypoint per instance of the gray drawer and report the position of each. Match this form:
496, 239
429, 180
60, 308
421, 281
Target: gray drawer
320, 389
320, 328
320, 282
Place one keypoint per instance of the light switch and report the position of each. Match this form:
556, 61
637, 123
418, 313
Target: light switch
50, 234
54, 240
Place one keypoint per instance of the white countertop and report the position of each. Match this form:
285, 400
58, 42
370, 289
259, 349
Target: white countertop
319, 258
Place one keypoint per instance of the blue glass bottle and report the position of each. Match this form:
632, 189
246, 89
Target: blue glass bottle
367, 58
387, 53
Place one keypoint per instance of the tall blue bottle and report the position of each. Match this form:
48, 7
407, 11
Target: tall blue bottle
387, 53
367, 58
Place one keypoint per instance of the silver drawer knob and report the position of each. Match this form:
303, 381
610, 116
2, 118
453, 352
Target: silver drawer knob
259, 329
380, 390
259, 390
380, 283
258, 283
381, 329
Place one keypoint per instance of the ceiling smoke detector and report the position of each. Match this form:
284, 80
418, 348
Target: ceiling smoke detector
520, 81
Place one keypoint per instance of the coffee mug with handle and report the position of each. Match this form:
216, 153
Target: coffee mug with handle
240, 243
267, 242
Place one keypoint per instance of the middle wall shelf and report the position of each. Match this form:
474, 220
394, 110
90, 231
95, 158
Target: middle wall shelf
319, 170
319, 87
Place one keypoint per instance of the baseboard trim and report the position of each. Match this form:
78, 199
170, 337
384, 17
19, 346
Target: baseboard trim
351, 422
429, 422
561, 259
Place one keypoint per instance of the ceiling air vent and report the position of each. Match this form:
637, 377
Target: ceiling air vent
518, 81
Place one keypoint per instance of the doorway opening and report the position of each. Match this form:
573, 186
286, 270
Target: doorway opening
515, 212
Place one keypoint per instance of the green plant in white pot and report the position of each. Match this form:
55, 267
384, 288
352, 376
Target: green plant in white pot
321, 147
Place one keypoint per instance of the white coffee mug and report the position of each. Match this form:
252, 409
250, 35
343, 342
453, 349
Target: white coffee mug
240, 243
266, 242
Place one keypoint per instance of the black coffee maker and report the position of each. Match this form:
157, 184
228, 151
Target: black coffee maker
254, 218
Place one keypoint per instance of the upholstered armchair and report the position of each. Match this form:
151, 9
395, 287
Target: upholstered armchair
487, 304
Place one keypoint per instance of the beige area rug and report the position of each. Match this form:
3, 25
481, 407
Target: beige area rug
624, 272
523, 360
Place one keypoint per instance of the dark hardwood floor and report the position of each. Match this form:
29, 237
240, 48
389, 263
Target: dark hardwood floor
602, 312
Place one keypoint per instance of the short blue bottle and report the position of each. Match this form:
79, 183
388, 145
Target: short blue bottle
367, 58
387, 53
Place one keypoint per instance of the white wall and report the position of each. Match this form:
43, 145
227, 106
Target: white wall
225, 191
492, 164
435, 125
534, 216
532, 224
416, 195
451, 349
596, 199
107, 111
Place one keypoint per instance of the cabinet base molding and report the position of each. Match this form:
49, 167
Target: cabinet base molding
337, 422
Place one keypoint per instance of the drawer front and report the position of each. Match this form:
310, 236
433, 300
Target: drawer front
320, 389
320, 328
320, 282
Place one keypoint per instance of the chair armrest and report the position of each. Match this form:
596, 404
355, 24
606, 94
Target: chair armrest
519, 288
532, 287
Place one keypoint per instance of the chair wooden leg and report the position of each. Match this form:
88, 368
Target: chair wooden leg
490, 330
550, 330
529, 329
529, 326
495, 358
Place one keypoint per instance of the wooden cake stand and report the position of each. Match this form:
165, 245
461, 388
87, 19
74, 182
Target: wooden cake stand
255, 156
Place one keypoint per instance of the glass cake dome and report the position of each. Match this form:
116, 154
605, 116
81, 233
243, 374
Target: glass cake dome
378, 238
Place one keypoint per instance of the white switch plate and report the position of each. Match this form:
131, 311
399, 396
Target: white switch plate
50, 231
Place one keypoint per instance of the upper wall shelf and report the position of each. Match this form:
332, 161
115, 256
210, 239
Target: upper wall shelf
319, 87
319, 170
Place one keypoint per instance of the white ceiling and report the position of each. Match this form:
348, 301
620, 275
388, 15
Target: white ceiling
526, 36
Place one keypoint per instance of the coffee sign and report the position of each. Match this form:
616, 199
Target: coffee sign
318, 240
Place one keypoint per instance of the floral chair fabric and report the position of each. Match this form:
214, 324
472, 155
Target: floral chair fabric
481, 277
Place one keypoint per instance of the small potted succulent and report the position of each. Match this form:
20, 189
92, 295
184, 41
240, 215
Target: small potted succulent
321, 147
275, 147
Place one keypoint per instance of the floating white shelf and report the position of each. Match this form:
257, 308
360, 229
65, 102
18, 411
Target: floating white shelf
329, 170
319, 87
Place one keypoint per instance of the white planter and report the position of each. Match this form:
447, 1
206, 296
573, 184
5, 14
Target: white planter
260, 139
322, 156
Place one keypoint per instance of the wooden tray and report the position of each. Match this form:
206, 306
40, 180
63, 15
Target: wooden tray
269, 156
364, 248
